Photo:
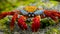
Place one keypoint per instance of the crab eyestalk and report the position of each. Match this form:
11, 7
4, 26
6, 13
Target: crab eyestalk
15, 16
21, 23
35, 24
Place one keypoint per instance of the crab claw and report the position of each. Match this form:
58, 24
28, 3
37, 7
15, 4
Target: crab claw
21, 23
35, 24
15, 16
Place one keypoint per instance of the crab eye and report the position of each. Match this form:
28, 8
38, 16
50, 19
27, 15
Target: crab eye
31, 14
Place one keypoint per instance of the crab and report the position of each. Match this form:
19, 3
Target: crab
30, 13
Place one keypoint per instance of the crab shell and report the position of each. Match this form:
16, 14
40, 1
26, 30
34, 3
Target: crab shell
30, 8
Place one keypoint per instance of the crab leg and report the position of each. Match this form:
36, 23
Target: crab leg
52, 14
35, 24
3, 14
49, 14
15, 16
21, 23
56, 14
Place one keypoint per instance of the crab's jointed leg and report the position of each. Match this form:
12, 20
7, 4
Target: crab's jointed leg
21, 23
52, 14
4, 14
15, 16
35, 24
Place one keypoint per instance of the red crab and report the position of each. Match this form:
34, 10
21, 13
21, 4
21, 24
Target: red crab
30, 14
